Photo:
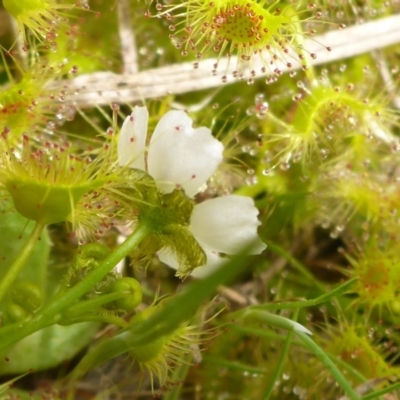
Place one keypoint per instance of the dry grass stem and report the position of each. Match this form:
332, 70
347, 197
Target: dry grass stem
101, 88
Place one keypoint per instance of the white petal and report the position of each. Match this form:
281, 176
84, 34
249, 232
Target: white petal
132, 139
226, 224
168, 257
180, 156
214, 261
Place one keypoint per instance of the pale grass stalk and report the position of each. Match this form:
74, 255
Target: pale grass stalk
103, 88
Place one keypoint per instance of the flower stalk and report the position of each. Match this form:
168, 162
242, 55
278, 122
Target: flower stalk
54, 311
16, 267
278, 370
323, 357
303, 334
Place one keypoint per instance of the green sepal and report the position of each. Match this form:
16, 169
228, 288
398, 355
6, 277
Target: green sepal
189, 253
169, 219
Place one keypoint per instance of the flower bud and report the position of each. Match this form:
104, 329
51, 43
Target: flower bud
86, 260
133, 294
15, 313
27, 295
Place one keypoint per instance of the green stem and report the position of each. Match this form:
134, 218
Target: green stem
278, 370
53, 312
98, 273
16, 267
270, 335
92, 305
301, 332
265, 333
105, 319
274, 320
320, 354
381, 392
103, 351
279, 305
300, 39
232, 365
179, 376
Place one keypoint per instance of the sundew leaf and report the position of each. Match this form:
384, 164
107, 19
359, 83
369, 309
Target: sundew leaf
47, 348
15, 229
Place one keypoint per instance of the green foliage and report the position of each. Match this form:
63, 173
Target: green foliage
15, 231
315, 145
47, 348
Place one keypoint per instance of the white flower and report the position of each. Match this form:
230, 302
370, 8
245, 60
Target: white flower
180, 156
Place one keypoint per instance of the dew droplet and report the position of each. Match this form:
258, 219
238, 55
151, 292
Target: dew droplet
334, 234
324, 153
284, 166
259, 98
297, 97
266, 172
250, 111
300, 85
251, 181
340, 228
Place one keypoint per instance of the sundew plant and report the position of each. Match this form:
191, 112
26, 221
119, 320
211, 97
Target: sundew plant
199, 200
